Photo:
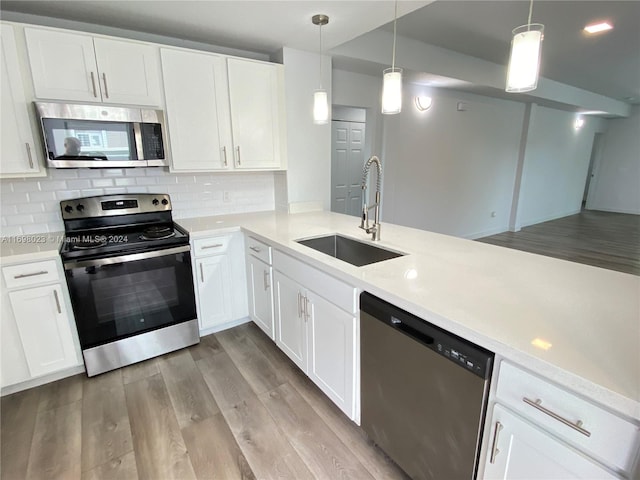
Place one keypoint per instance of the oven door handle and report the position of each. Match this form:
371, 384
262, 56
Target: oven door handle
71, 264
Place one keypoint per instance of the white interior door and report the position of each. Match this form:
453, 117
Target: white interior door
347, 159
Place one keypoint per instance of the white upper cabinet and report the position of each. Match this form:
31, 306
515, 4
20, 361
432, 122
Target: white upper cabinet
17, 150
79, 67
223, 113
195, 88
256, 106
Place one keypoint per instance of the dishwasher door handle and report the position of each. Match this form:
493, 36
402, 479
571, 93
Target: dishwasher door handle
411, 331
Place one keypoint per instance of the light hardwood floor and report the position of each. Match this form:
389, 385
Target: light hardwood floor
233, 406
602, 239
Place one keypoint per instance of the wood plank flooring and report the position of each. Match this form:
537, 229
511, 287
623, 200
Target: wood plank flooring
602, 239
232, 407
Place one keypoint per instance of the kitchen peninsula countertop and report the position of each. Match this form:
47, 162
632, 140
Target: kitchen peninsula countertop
496, 297
499, 298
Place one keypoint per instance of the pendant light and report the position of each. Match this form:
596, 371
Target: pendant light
524, 60
320, 97
392, 79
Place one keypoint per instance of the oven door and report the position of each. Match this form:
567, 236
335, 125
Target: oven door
117, 297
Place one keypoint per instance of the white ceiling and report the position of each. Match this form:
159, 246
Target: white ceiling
261, 26
608, 64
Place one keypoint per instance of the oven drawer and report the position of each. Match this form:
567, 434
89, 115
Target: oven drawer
594, 430
28, 274
211, 245
259, 250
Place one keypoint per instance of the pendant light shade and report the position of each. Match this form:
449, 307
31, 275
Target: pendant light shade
320, 97
392, 91
524, 61
392, 79
320, 107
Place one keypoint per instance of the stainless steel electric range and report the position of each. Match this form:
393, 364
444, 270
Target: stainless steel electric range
128, 268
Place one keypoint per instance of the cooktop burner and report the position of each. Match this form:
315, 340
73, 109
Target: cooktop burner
87, 242
157, 233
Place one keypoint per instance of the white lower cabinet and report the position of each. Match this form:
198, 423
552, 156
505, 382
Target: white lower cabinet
214, 291
522, 451
260, 283
38, 330
316, 326
219, 278
291, 319
331, 334
541, 430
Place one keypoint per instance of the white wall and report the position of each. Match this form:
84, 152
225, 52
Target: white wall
448, 170
616, 184
363, 91
308, 179
555, 167
33, 205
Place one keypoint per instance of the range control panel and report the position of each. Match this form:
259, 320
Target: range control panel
109, 205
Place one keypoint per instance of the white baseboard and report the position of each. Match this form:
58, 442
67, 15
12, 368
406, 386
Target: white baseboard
36, 382
614, 210
485, 233
548, 218
224, 326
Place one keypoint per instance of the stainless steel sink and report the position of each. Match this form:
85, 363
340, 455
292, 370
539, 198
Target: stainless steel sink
349, 250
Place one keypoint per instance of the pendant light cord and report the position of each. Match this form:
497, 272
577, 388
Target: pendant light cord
320, 27
395, 19
530, 12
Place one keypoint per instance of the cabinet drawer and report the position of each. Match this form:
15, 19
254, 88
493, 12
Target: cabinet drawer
336, 291
259, 250
603, 435
211, 245
28, 274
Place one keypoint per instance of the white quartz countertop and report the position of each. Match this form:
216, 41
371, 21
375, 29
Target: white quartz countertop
501, 299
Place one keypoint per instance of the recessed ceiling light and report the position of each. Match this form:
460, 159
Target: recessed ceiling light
598, 27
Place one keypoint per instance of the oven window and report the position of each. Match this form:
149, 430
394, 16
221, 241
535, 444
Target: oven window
89, 140
115, 301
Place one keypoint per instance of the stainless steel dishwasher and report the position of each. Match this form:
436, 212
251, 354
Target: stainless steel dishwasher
424, 392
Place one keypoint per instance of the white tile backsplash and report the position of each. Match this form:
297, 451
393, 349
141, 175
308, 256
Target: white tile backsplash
30, 206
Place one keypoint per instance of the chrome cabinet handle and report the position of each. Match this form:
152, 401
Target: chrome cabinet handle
29, 155
266, 280
537, 404
306, 308
255, 249
34, 274
224, 155
217, 245
299, 305
93, 84
106, 89
55, 295
202, 273
238, 151
494, 446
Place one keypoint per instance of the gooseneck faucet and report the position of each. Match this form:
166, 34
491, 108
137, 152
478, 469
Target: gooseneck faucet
374, 230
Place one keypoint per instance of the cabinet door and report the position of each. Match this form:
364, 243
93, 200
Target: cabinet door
17, 150
332, 351
63, 65
254, 99
522, 451
291, 326
214, 290
197, 111
260, 297
44, 327
129, 72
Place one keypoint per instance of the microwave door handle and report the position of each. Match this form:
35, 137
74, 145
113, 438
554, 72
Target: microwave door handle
137, 133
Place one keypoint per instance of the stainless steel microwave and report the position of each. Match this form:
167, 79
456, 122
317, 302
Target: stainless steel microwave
97, 136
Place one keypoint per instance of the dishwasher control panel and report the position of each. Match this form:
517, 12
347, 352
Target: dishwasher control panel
462, 352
